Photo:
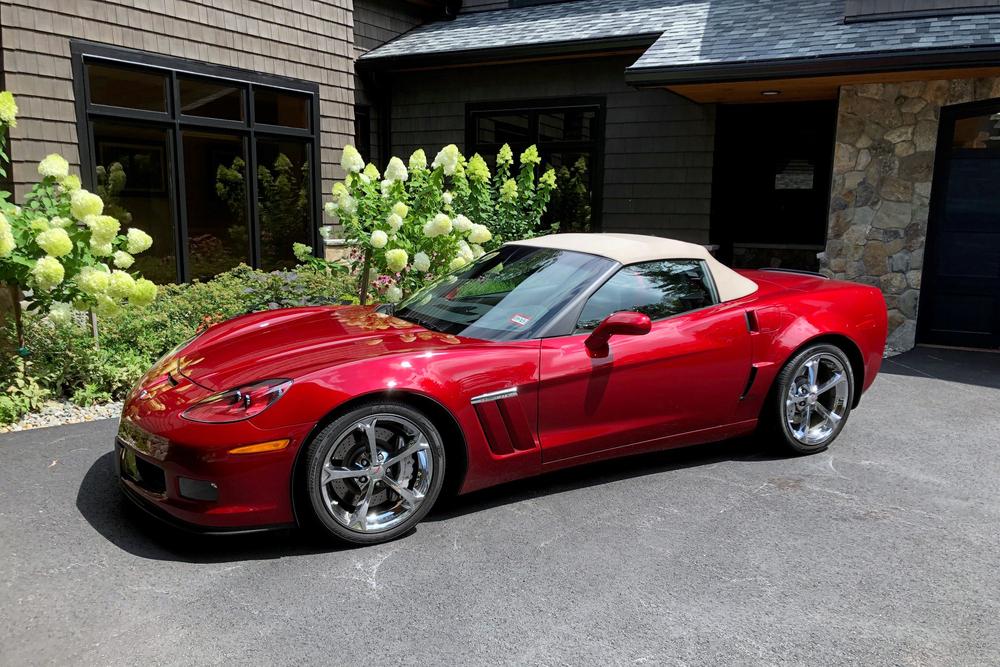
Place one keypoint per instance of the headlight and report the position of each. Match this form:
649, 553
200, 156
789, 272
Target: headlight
237, 404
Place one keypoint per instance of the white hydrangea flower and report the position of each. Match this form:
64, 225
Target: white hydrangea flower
7, 243
394, 294
351, 160
462, 224
330, 209
447, 198
464, 250
53, 165
396, 171
477, 251
60, 313
448, 159
396, 259
386, 188
138, 241
479, 234
457, 263
123, 260
421, 262
83, 203
379, 239
348, 205
47, 273
418, 160
395, 222
438, 226
400, 209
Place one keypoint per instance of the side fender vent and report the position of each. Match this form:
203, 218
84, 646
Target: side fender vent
505, 425
750, 379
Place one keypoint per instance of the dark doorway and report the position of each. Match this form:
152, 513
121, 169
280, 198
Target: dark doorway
771, 183
960, 299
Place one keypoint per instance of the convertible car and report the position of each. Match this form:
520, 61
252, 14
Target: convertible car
546, 353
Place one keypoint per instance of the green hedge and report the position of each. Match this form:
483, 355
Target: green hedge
63, 360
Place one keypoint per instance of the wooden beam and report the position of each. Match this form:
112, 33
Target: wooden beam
812, 88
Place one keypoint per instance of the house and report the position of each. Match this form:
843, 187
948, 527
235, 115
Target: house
855, 137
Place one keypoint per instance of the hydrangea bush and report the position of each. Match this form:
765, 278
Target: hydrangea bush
417, 221
60, 251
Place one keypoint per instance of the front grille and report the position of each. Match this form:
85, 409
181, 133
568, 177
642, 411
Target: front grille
141, 472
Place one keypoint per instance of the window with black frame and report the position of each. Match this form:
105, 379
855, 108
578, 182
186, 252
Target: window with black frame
569, 137
215, 164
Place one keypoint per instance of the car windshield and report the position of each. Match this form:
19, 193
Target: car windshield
509, 294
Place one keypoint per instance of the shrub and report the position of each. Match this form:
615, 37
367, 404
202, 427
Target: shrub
65, 361
417, 221
60, 249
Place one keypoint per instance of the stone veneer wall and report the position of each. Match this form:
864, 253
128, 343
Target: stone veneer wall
882, 173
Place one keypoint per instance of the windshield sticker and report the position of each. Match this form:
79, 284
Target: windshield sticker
519, 319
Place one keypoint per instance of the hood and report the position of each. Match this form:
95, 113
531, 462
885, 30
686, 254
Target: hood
295, 342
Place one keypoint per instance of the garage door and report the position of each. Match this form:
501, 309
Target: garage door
960, 299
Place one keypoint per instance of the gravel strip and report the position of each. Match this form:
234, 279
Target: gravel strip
57, 413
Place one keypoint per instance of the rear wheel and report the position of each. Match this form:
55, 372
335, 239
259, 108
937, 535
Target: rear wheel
812, 398
374, 472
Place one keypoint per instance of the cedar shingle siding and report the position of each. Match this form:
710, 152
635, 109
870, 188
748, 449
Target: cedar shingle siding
658, 146
312, 40
378, 21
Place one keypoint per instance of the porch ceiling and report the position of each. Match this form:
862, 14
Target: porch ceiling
802, 89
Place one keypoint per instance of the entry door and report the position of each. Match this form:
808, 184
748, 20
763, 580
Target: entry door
685, 375
771, 183
960, 299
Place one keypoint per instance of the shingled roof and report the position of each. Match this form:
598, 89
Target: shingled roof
693, 36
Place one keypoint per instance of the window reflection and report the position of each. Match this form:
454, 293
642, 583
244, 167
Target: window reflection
279, 107
133, 167
128, 88
657, 289
183, 177
209, 99
216, 202
283, 200
979, 132
567, 140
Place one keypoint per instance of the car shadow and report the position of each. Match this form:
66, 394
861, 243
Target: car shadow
603, 472
103, 506
106, 509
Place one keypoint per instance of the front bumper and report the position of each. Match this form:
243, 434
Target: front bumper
253, 491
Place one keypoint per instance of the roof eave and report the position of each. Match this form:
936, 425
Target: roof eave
466, 57
790, 68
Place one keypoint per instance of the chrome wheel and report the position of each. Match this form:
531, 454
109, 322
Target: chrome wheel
818, 399
377, 473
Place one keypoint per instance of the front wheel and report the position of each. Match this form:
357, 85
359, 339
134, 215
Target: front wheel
374, 472
812, 398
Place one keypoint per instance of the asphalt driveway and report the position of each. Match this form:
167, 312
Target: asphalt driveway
884, 550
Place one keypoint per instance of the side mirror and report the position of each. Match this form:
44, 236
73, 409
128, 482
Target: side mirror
625, 323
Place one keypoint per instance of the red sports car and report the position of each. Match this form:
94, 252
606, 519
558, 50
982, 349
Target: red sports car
546, 353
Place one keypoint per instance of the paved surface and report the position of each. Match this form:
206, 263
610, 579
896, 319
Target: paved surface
883, 550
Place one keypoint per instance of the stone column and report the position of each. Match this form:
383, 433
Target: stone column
880, 196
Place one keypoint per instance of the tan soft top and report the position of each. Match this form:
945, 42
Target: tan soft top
635, 248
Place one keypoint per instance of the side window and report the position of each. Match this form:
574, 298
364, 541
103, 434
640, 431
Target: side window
658, 289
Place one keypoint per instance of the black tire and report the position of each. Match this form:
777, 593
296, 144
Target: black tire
837, 400
319, 451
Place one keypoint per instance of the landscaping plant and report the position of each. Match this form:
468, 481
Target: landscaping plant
65, 363
59, 251
416, 222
